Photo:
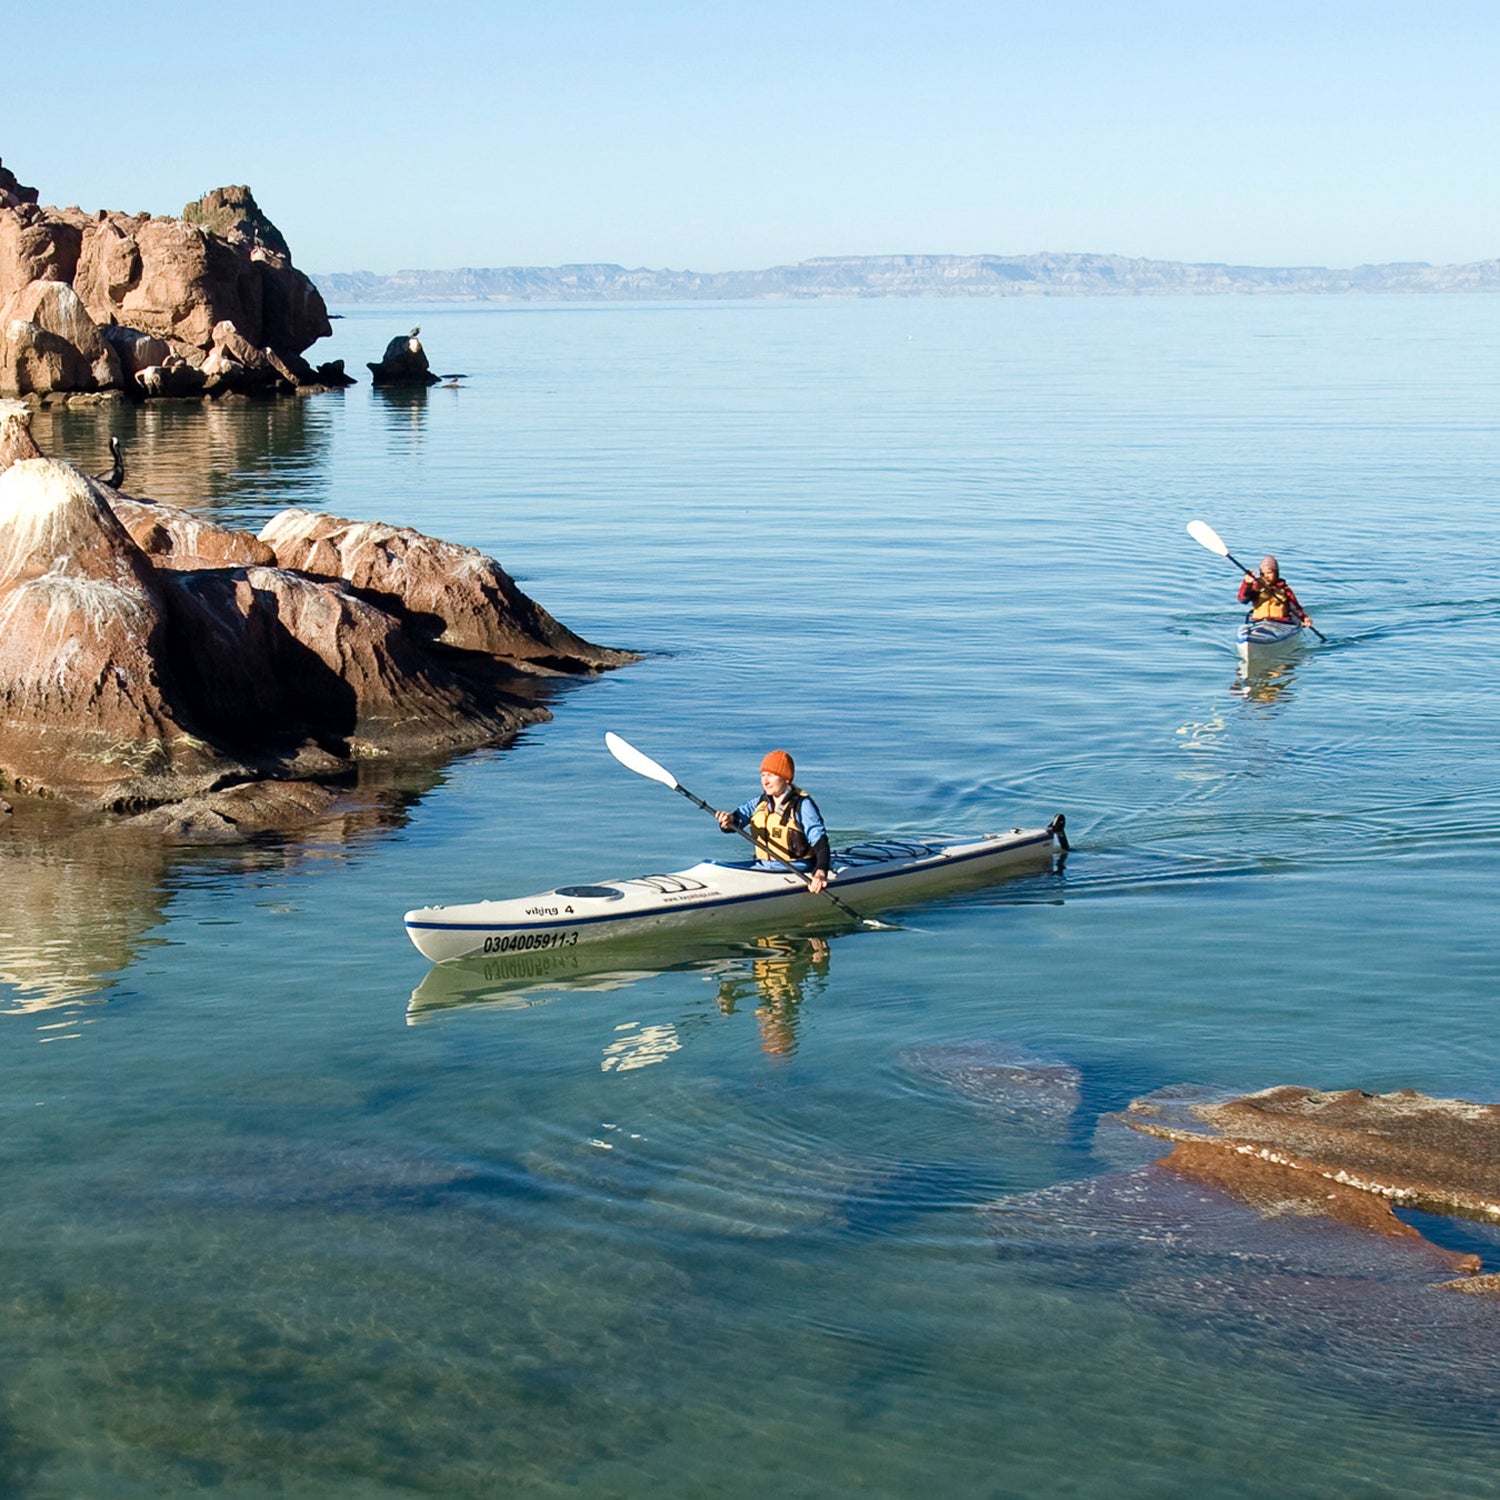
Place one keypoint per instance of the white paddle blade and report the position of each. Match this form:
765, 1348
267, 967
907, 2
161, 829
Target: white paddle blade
1205, 536
632, 759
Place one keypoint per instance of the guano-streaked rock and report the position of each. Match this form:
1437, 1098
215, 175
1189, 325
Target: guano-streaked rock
463, 598
88, 704
152, 660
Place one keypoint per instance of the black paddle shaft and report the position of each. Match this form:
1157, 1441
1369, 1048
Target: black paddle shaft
848, 911
1251, 571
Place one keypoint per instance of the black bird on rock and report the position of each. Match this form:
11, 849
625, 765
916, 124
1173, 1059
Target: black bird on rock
116, 476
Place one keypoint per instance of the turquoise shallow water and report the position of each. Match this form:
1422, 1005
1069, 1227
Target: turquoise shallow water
753, 1219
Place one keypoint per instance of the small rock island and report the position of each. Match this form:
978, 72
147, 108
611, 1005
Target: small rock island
201, 305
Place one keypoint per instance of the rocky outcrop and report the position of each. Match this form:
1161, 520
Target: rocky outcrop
12, 194
149, 659
282, 660
88, 702
1347, 1156
176, 538
205, 303
403, 363
49, 343
16, 441
1441, 1155
460, 597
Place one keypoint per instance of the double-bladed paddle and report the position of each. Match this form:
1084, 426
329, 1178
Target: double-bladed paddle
633, 760
1204, 534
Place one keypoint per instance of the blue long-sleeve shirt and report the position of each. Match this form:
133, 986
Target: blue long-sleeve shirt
807, 818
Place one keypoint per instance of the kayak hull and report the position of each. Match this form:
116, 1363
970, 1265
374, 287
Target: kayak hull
873, 876
1269, 640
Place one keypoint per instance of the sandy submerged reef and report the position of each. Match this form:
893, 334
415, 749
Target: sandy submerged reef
1315, 1178
207, 684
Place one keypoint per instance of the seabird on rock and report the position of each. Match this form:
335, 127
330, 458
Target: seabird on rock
116, 476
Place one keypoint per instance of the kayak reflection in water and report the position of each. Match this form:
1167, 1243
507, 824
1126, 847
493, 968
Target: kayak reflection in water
778, 973
1270, 596
784, 824
1264, 686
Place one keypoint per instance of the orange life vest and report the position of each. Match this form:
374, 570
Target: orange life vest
777, 831
1270, 602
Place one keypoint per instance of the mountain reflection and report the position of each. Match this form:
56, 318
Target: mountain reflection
770, 976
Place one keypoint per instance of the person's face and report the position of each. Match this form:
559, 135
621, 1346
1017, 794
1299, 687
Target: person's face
1269, 571
772, 785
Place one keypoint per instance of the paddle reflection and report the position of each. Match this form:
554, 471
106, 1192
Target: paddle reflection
770, 975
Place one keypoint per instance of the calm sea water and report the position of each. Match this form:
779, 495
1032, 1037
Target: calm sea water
284, 1213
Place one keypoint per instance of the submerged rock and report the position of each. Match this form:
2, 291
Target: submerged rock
1352, 1312
1441, 1155
1009, 1082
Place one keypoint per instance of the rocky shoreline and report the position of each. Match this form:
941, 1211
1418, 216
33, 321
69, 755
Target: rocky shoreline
206, 684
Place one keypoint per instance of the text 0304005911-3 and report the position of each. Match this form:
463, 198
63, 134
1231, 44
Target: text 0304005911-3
522, 942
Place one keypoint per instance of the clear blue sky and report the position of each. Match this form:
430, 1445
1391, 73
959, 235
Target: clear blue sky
717, 136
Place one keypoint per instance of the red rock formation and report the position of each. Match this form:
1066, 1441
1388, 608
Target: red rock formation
1348, 1155
281, 659
16, 441
217, 283
37, 244
467, 599
176, 538
88, 706
148, 657
48, 343
1442, 1155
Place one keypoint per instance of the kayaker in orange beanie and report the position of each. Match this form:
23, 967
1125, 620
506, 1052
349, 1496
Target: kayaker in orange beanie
784, 822
1270, 596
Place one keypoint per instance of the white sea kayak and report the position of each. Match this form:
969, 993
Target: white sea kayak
871, 876
1260, 641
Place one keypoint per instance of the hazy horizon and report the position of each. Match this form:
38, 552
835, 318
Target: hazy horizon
752, 135
875, 255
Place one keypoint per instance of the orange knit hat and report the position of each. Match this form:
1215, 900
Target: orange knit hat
779, 763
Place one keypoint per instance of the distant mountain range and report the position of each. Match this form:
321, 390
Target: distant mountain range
897, 276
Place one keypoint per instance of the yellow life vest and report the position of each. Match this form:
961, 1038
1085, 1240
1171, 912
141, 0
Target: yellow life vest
777, 833
1270, 602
